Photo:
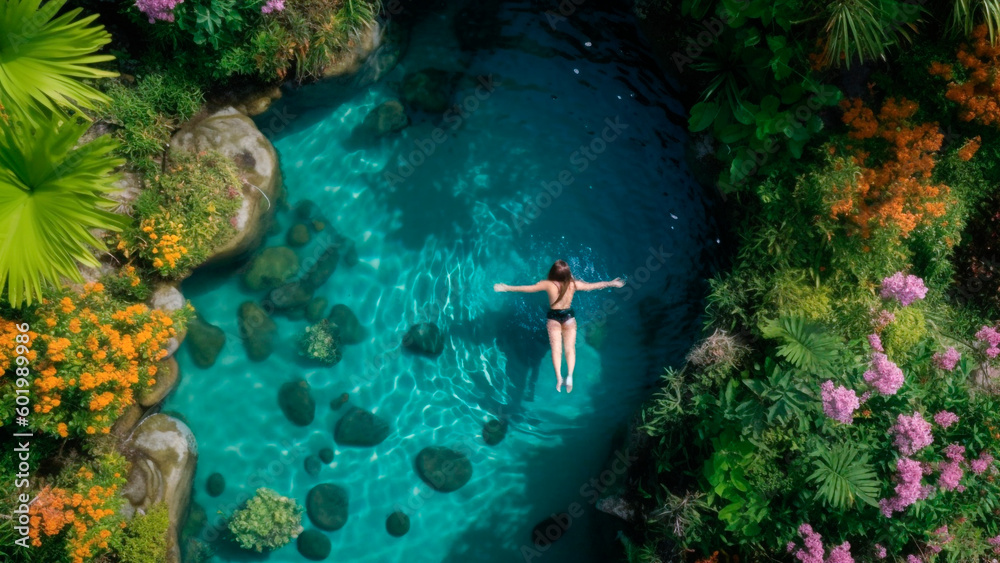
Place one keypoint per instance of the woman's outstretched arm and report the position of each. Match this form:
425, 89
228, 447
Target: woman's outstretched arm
540, 286
591, 286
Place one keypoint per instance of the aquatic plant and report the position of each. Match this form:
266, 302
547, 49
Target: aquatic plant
321, 342
266, 522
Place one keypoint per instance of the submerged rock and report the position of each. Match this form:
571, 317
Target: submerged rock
323, 268
313, 545
387, 117
424, 338
271, 268
315, 309
494, 432
298, 235
340, 401
326, 455
428, 90
350, 258
351, 331
296, 401
215, 485
313, 465
360, 428
257, 330
292, 295
326, 505
444, 469
550, 530
397, 524
204, 341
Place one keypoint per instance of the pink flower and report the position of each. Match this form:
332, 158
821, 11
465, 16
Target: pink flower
875, 341
981, 464
272, 6
951, 476
813, 550
913, 559
884, 375
913, 433
995, 542
955, 452
948, 359
880, 551
944, 419
158, 9
883, 319
839, 403
908, 487
840, 554
904, 288
991, 337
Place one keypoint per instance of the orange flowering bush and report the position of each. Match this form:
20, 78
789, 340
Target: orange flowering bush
896, 158
977, 92
87, 510
92, 352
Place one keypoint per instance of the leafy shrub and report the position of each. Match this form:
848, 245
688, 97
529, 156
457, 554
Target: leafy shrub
792, 295
321, 342
902, 335
267, 521
126, 284
145, 537
191, 213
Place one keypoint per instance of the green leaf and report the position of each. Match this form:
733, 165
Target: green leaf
843, 476
733, 132
806, 345
702, 116
729, 512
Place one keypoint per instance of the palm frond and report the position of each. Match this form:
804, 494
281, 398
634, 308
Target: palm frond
51, 194
805, 344
843, 476
862, 30
43, 56
967, 13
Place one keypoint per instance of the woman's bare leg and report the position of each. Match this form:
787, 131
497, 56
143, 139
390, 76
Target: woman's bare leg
569, 344
555, 340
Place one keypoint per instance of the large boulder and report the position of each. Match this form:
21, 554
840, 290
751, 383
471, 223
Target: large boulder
271, 268
385, 118
494, 431
257, 330
326, 505
424, 338
296, 401
351, 331
428, 90
360, 428
444, 469
163, 453
204, 341
313, 545
167, 375
235, 135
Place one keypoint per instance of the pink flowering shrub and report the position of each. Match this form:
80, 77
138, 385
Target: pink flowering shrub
991, 337
913, 433
839, 403
875, 341
909, 488
884, 375
995, 542
944, 419
948, 359
162, 10
812, 550
904, 288
272, 6
951, 470
880, 551
981, 464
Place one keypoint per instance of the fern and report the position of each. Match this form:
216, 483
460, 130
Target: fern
844, 476
805, 344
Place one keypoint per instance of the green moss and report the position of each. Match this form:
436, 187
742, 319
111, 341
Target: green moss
144, 539
266, 522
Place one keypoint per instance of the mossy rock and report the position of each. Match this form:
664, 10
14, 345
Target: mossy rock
326, 455
313, 465
257, 331
313, 545
428, 90
298, 235
323, 268
397, 524
387, 117
271, 268
204, 341
305, 210
215, 485
292, 295
424, 338
340, 401
315, 309
444, 469
326, 505
494, 432
297, 402
360, 428
351, 331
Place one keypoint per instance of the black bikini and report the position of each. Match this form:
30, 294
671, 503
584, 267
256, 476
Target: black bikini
560, 315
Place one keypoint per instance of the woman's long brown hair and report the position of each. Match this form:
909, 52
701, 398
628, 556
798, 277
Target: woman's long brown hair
559, 272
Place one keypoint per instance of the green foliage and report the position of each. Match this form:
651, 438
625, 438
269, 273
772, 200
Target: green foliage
321, 342
780, 396
864, 30
144, 540
967, 13
902, 335
791, 295
805, 344
147, 113
43, 57
843, 476
741, 508
52, 193
266, 522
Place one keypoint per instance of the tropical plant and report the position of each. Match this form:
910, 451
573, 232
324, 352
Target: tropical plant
52, 193
266, 522
967, 13
844, 476
144, 539
863, 30
43, 57
805, 344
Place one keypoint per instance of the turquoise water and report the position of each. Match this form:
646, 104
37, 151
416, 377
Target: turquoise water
431, 246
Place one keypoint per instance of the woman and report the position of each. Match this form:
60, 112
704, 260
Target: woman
561, 323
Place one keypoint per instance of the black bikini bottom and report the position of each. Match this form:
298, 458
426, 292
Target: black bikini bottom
560, 315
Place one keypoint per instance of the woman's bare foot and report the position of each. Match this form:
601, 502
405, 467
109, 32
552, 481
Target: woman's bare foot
559, 384
569, 384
